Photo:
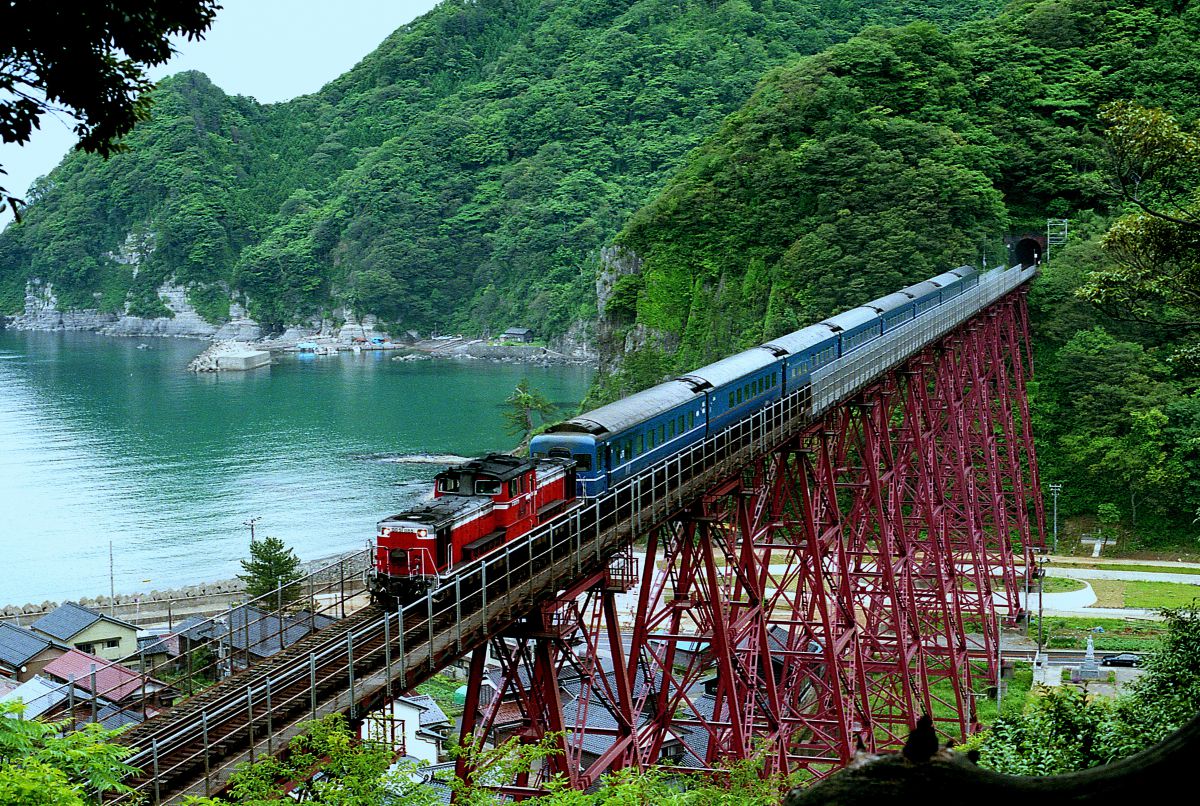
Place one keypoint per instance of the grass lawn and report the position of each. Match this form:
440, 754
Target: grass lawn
1109, 592
1060, 585
1147, 595
1013, 702
1150, 569
1120, 635
1160, 594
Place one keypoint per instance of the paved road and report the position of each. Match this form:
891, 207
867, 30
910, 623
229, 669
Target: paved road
1131, 576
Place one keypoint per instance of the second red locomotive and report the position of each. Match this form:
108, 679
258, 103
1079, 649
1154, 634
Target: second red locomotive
477, 506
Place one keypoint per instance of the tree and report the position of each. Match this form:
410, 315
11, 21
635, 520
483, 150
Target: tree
1066, 730
40, 767
90, 64
353, 773
1156, 168
522, 405
272, 566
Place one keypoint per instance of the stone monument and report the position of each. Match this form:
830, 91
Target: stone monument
1089, 669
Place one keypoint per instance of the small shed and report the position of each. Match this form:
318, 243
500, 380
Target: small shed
521, 334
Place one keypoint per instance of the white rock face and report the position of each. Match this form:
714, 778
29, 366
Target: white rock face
41, 313
186, 321
238, 330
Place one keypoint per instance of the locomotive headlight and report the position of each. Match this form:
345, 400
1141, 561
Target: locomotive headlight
422, 533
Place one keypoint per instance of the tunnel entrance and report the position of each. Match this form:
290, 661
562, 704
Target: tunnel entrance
1028, 252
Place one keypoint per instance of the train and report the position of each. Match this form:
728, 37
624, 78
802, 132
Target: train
476, 507
485, 503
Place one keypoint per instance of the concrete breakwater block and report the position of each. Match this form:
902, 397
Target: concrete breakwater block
230, 356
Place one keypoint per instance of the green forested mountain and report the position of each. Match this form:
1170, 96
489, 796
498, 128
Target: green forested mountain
902, 153
464, 175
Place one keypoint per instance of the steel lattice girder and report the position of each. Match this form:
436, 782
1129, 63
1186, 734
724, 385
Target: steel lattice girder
820, 599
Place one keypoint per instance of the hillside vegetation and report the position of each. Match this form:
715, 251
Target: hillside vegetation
464, 175
907, 151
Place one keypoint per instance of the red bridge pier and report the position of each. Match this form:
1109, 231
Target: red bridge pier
818, 599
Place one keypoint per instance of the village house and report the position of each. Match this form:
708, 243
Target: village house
521, 334
89, 631
24, 653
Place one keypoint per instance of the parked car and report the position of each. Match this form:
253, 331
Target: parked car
1124, 659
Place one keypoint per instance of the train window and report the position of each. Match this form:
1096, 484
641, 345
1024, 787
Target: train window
641, 446
662, 433
448, 484
731, 403
583, 461
672, 434
739, 395
514, 488
682, 423
691, 419
487, 487
652, 435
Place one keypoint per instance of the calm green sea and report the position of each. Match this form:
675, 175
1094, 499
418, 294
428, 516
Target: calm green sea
100, 441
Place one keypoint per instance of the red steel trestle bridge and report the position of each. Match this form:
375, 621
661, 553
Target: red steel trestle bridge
800, 584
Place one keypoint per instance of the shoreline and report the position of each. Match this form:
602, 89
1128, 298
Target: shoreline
158, 607
295, 341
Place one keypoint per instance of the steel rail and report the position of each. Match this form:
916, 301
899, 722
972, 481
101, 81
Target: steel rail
498, 587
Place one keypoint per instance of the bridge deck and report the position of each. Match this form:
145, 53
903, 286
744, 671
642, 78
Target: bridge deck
357, 664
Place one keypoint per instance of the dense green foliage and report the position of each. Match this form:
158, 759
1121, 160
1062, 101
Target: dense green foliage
464, 175
40, 767
1066, 730
92, 65
356, 774
353, 773
904, 152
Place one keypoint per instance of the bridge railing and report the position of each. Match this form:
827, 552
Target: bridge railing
213, 648
473, 603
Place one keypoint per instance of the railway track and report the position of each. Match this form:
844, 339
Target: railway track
353, 665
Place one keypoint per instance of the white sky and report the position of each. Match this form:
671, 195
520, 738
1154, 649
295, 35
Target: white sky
272, 50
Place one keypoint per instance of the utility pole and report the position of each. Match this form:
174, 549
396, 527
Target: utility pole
1041, 585
251, 524
1055, 489
112, 586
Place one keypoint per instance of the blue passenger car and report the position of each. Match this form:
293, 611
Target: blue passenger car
738, 385
803, 351
925, 296
855, 327
894, 309
956, 281
613, 442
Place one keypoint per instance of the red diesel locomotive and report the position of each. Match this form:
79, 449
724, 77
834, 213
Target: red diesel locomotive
477, 507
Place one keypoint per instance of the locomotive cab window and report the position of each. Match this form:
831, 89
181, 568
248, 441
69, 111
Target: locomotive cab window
487, 487
583, 461
448, 484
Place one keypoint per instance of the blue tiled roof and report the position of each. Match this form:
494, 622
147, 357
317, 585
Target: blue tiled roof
263, 629
18, 646
66, 620
69, 619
